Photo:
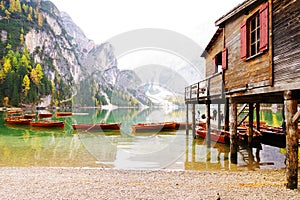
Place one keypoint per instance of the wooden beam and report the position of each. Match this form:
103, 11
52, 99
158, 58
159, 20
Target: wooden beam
194, 121
233, 132
296, 117
257, 109
187, 119
250, 134
290, 108
208, 124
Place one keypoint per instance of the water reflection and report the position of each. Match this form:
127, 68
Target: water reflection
25, 146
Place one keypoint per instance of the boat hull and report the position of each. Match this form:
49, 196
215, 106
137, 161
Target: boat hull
215, 135
17, 121
97, 127
63, 114
153, 127
45, 115
48, 124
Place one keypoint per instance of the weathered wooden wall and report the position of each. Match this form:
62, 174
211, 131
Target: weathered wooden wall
286, 35
253, 72
217, 47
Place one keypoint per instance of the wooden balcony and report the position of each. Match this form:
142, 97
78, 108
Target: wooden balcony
209, 89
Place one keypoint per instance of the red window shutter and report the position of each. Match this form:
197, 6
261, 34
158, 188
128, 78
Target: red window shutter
264, 27
224, 59
244, 40
214, 63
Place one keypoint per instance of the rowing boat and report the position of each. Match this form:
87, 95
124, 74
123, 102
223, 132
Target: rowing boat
17, 121
48, 124
63, 114
45, 115
154, 127
97, 127
215, 135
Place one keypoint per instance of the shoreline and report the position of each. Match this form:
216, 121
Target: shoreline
101, 183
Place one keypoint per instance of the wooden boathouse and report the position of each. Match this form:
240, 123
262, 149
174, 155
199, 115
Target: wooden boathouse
254, 58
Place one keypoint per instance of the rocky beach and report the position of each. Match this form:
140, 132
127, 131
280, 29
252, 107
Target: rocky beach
100, 183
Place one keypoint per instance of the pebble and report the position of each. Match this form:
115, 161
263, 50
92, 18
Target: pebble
96, 183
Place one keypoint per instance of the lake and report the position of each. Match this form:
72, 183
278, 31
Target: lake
22, 146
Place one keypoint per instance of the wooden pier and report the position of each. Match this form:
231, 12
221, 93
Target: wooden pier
253, 58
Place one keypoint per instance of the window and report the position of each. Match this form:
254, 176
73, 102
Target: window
217, 63
255, 33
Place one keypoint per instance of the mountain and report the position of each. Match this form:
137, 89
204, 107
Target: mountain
71, 66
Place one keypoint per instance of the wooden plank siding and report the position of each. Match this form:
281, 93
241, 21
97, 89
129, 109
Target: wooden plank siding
244, 74
286, 33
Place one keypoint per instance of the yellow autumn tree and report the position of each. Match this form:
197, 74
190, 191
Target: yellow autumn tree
26, 85
18, 6
6, 65
5, 101
7, 14
12, 6
39, 72
34, 77
40, 19
2, 5
25, 8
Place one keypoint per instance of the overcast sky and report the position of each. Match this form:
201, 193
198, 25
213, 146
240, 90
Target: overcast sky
101, 20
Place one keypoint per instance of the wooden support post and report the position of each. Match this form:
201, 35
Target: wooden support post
250, 133
187, 119
218, 116
226, 122
257, 109
208, 124
290, 108
194, 121
233, 132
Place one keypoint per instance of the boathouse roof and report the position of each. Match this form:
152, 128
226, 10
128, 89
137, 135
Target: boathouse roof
243, 7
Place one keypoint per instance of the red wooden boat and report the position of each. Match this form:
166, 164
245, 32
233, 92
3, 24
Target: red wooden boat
29, 116
17, 121
45, 115
215, 135
12, 112
63, 114
154, 127
48, 124
97, 127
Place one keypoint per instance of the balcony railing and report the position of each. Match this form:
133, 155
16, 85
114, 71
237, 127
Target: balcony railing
210, 88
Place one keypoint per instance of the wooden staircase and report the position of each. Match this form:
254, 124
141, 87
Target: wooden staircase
244, 110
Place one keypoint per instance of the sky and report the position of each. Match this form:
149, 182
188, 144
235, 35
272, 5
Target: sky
101, 20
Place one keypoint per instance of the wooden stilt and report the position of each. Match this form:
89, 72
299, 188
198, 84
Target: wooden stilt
233, 132
250, 133
290, 109
226, 122
187, 119
208, 124
219, 118
193, 121
257, 109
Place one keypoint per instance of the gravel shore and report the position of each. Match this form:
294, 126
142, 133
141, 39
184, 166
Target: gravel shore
82, 183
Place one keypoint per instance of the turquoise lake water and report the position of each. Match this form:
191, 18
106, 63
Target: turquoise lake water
26, 146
